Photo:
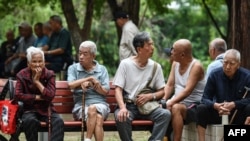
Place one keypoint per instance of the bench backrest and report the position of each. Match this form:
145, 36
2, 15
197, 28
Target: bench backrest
2, 83
63, 100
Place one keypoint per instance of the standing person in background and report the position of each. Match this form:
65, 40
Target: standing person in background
187, 81
217, 48
90, 78
224, 93
129, 30
131, 77
58, 52
35, 87
41, 39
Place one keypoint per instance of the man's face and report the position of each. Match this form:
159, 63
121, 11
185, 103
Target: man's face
119, 22
85, 56
230, 65
176, 52
10, 36
36, 62
211, 51
38, 31
54, 25
148, 48
26, 32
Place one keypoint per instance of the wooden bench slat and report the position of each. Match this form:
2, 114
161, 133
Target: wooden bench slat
63, 103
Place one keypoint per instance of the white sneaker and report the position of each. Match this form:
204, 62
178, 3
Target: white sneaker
87, 139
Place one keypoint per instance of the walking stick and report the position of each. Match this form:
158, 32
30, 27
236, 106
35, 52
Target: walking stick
49, 123
83, 116
235, 112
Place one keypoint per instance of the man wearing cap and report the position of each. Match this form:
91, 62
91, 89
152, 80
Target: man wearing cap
129, 30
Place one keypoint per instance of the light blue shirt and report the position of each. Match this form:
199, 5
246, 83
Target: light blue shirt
76, 71
215, 64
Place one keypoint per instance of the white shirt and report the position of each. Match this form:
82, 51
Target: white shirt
126, 49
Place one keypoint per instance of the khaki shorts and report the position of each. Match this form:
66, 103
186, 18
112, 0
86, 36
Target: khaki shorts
102, 109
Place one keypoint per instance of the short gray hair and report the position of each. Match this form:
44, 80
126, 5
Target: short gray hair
140, 39
33, 50
219, 44
234, 52
89, 44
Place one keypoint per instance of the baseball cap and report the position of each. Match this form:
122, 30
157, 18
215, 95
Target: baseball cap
120, 14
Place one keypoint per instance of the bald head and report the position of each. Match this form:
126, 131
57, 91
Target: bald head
184, 45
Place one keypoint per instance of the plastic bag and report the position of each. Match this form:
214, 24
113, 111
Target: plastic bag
8, 111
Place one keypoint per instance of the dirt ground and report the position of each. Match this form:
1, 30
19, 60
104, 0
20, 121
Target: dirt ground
108, 136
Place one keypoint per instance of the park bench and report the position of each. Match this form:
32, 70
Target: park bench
63, 103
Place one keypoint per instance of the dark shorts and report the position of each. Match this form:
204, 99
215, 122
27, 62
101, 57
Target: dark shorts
191, 115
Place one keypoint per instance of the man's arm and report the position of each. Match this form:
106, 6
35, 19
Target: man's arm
123, 113
196, 74
169, 87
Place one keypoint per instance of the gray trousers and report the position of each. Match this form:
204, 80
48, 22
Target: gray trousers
31, 124
160, 117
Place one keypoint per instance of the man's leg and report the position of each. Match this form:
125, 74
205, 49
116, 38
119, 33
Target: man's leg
178, 114
91, 121
203, 112
161, 118
125, 128
99, 133
201, 133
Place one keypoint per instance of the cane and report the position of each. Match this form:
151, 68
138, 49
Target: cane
235, 112
49, 123
83, 116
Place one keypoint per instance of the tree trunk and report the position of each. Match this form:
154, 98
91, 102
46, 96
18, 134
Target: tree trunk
78, 35
72, 22
88, 20
239, 29
132, 7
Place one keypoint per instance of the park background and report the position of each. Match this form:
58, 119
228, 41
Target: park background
200, 21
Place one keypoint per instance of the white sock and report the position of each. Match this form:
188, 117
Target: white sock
86, 139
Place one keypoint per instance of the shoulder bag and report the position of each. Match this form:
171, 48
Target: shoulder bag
149, 106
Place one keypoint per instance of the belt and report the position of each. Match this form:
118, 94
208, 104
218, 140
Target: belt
130, 101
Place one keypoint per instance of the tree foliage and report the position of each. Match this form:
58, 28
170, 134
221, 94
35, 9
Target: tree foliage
166, 25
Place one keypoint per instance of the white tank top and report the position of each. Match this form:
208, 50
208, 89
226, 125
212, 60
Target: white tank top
181, 82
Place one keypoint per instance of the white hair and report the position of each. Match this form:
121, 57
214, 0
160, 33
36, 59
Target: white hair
33, 50
89, 44
234, 52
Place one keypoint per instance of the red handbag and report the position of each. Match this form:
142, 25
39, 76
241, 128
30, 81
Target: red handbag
8, 111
